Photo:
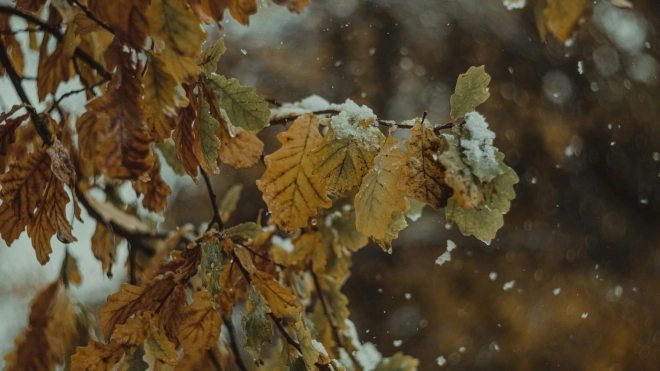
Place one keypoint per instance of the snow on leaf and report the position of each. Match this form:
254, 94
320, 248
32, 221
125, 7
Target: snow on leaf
341, 163
290, 189
179, 29
514, 4
355, 122
244, 107
422, 175
476, 141
208, 60
471, 91
415, 210
379, 196
201, 324
458, 175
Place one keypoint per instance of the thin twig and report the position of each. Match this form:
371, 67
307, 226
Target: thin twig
72, 92
437, 130
91, 16
424, 117
262, 256
39, 123
217, 219
22, 30
273, 102
233, 344
78, 53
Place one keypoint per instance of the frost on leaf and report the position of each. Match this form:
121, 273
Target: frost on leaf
257, 329
245, 109
471, 91
355, 122
290, 189
178, 28
484, 222
423, 176
458, 175
561, 18
341, 163
379, 197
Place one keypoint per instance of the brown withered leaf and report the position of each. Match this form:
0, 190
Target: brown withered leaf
50, 219
341, 163
136, 329
60, 163
57, 67
24, 184
179, 29
560, 17
172, 312
290, 188
97, 356
294, 6
61, 330
240, 10
162, 348
111, 214
201, 324
8, 129
30, 5
155, 190
423, 176
241, 151
160, 88
379, 195
11, 226
103, 246
132, 299
113, 131
84, 24
128, 18
184, 137
278, 297
33, 348
160, 126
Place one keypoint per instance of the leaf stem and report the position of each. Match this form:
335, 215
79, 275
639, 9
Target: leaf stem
233, 343
217, 219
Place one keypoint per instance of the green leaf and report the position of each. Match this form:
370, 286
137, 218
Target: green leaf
230, 200
134, 362
244, 107
397, 362
168, 151
483, 223
347, 235
257, 329
471, 91
212, 265
246, 230
206, 148
208, 60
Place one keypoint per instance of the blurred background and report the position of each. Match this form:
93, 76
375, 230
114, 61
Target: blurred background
572, 280
578, 121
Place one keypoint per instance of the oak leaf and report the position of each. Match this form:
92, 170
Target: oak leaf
134, 361
247, 230
208, 60
423, 175
155, 190
206, 145
379, 195
560, 17
290, 189
341, 163
257, 329
97, 356
184, 137
179, 29
201, 325
240, 151
240, 10
57, 67
11, 226
162, 96
162, 348
278, 297
245, 109
128, 19
458, 176
24, 184
471, 90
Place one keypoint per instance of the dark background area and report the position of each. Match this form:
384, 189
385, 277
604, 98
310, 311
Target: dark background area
581, 239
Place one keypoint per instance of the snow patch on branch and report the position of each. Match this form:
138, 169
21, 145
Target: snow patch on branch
355, 122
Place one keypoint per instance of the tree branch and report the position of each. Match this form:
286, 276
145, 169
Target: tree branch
78, 53
91, 16
217, 219
233, 344
72, 92
39, 123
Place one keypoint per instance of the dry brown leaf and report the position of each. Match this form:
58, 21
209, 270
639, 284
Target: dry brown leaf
201, 324
184, 137
57, 67
560, 17
11, 226
103, 246
127, 18
241, 151
423, 176
155, 191
136, 329
341, 163
290, 189
240, 10
278, 297
24, 183
379, 195
97, 357
30, 5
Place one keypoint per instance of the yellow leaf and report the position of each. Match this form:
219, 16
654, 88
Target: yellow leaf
96, 357
241, 151
162, 349
471, 90
341, 163
379, 196
160, 88
136, 329
560, 17
57, 67
278, 297
201, 325
290, 189
240, 10
423, 176
180, 30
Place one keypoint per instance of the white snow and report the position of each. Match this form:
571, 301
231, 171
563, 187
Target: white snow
446, 256
514, 4
441, 361
584, 315
492, 276
556, 291
313, 103
580, 67
368, 356
509, 285
354, 122
319, 346
397, 343
407, 296
284, 243
478, 147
